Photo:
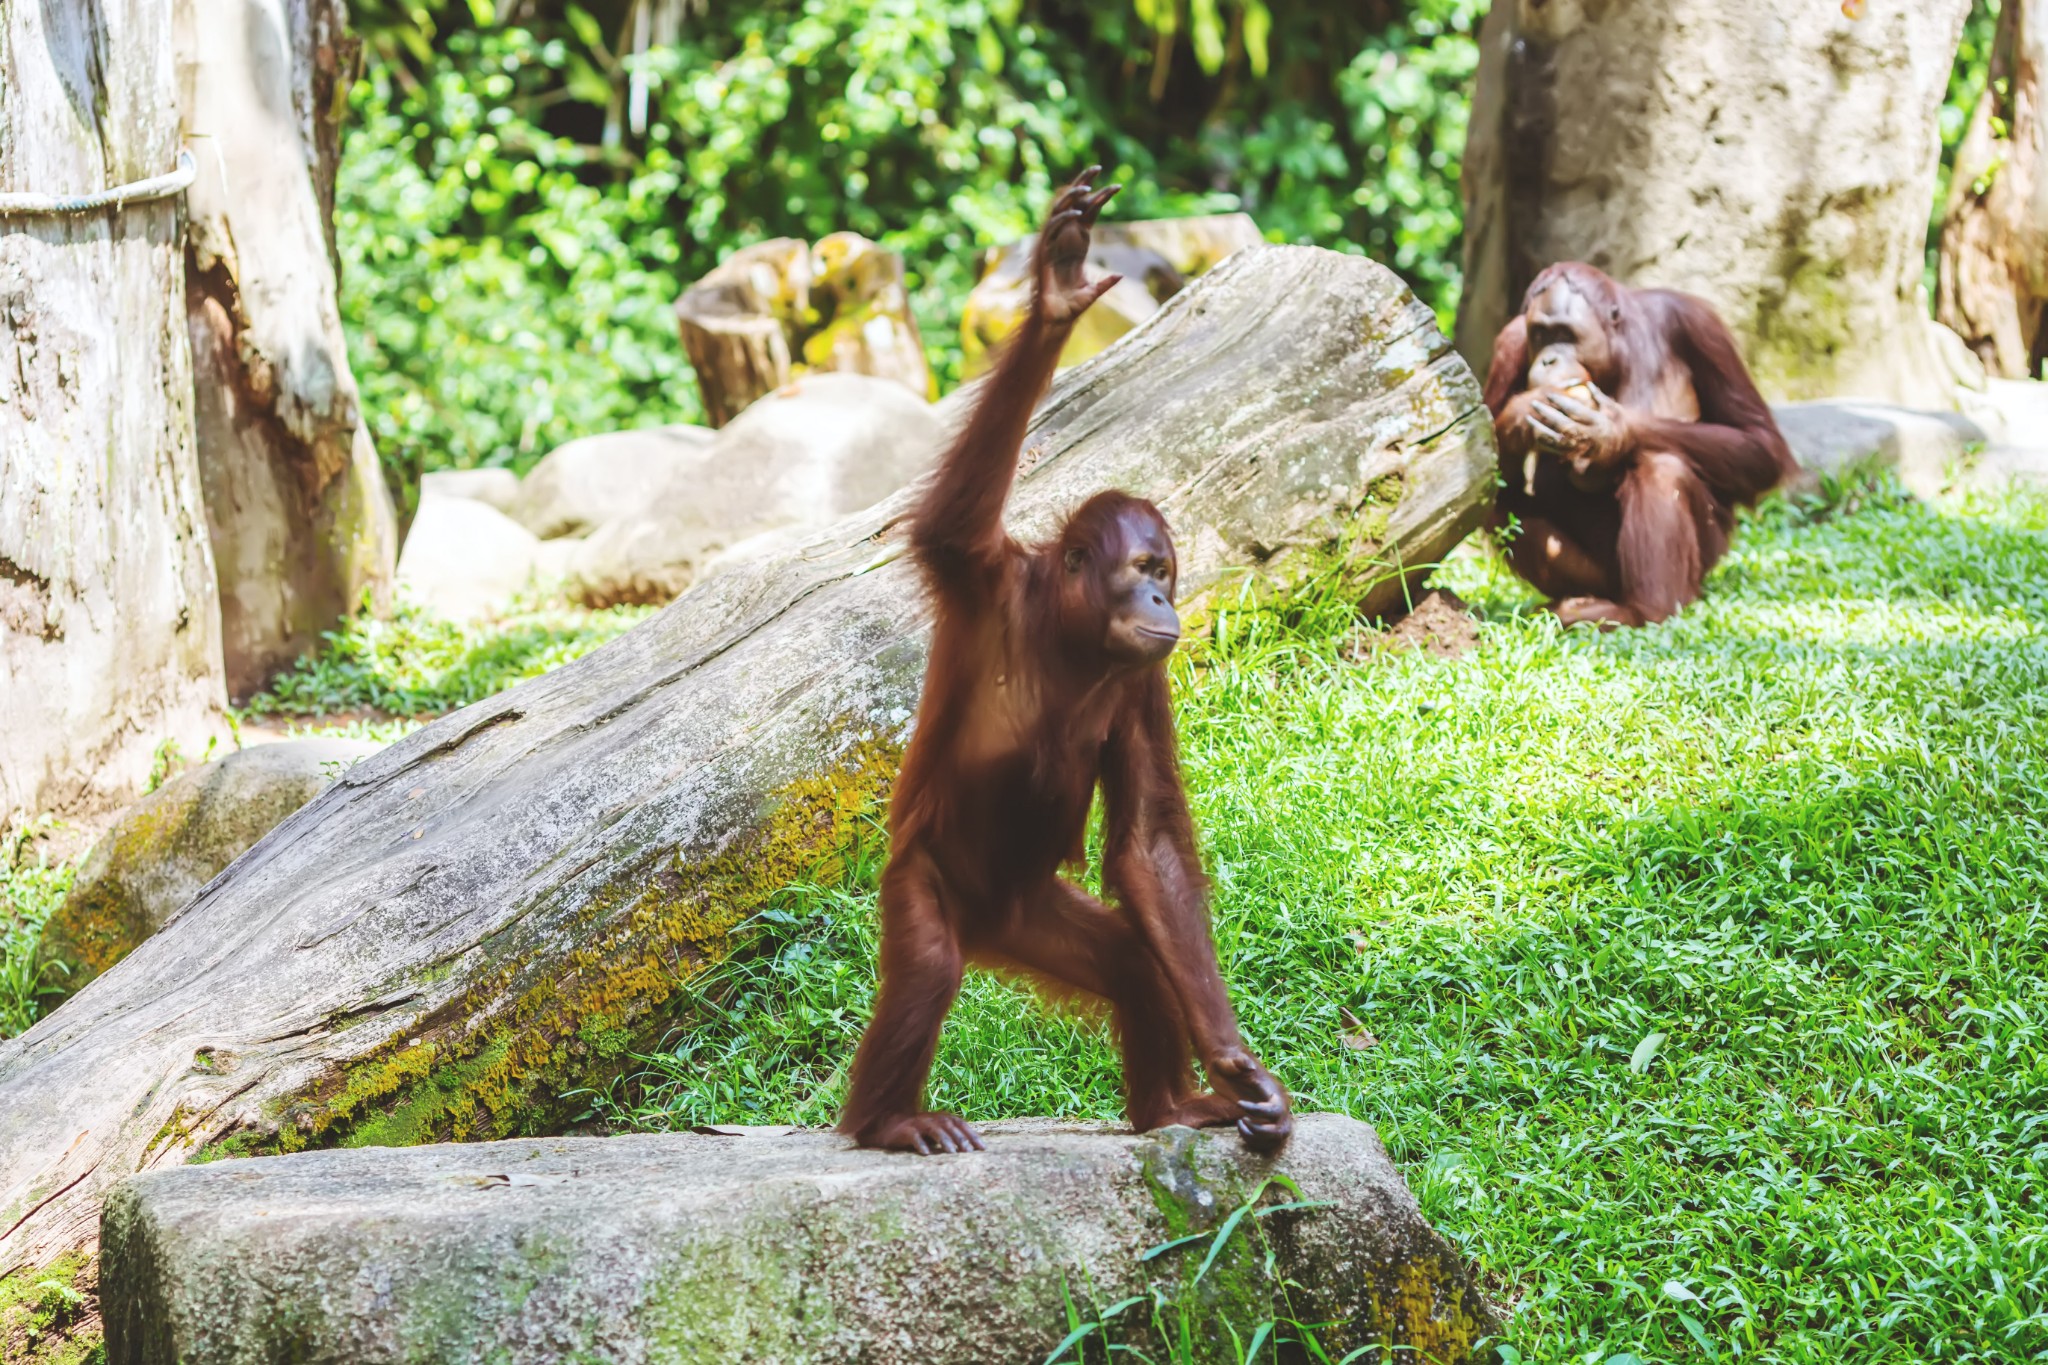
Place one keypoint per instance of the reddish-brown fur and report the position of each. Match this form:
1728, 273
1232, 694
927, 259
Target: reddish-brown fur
1635, 490
1031, 700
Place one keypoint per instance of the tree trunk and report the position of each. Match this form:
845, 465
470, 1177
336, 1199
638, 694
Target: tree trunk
485, 914
1994, 235
1778, 160
732, 327
109, 630
301, 523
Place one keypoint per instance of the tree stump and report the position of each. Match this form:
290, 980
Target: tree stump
301, 522
780, 309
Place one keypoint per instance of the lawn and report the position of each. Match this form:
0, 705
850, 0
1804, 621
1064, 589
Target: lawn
1697, 976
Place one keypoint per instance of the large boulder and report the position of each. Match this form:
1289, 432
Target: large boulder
1778, 160
810, 453
158, 855
464, 559
790, 1250
498, 488
578, 487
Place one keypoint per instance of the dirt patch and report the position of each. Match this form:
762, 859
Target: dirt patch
1441, 624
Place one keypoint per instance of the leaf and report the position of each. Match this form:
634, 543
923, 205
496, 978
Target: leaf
588, 31
1359, 1037
1251, 1352
1069, 1341
1258, 27
1699, 1334
1205, 27
1294, 1205
1165, 1247
1680, 1292
1639, 1060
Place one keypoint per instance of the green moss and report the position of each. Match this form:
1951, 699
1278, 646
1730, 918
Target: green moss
50, 1316
101, 921
496, 1063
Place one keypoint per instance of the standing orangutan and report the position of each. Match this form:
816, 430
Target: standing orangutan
1047, 678
1646, 434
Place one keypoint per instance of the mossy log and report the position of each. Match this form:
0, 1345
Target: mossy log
490, 911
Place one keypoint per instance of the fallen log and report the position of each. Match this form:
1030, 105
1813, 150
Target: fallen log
794, 1250
491, 910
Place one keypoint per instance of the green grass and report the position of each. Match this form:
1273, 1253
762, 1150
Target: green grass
383, 677
1798, 836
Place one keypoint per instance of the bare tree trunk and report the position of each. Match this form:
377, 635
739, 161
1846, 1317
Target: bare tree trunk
488, 912
302, 525
109, 630
1777, 159
1994, 234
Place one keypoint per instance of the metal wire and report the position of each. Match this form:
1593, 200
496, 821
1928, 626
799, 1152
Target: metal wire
156, 187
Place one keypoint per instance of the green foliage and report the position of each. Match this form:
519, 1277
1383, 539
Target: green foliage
31, 888
1801, 832
511, 246
415, 665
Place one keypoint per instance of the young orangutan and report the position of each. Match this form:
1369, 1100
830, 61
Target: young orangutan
1047, 678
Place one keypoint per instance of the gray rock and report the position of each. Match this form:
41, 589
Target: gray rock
170, 844
497, 488
794, 1250
579, 486
2003, 437
465, 559
811, 452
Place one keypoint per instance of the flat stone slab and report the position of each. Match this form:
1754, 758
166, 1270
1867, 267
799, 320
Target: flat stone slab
787, 1249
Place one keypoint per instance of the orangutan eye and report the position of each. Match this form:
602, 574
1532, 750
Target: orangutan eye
1076, 557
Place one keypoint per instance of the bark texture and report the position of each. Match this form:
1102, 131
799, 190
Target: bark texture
1994, 234
1778, 160
109, 629
301, 522
785, 1250
490, 911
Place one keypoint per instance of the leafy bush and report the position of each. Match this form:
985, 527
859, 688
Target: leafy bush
512, 248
